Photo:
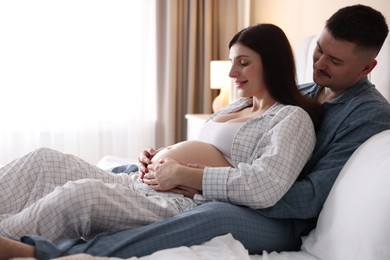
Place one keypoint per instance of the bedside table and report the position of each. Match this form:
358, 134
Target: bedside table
194, 123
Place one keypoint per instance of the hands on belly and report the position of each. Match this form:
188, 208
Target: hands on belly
179, 168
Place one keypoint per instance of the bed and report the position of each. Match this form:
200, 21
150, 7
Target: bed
352, 225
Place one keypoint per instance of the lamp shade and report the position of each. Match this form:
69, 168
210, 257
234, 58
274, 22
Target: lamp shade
219, 74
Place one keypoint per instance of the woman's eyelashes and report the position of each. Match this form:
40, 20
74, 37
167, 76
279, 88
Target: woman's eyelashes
243, 63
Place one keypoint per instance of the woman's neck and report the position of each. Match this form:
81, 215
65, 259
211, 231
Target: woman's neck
261, 105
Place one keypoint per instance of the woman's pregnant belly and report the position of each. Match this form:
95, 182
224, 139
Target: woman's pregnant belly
194, 152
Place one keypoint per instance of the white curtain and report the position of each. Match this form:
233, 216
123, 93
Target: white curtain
77, 76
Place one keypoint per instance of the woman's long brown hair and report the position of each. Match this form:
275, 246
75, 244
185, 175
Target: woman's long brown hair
275, 51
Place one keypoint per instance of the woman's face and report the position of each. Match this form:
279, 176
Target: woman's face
247, 71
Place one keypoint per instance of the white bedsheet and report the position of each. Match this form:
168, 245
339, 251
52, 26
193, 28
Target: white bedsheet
222, 248
219, 248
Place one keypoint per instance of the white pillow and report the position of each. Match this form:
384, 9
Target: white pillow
355, 220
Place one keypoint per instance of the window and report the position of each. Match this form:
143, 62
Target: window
77, 76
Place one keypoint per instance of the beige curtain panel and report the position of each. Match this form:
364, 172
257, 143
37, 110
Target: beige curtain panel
191, 33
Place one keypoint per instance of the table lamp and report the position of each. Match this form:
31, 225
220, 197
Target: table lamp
219, 79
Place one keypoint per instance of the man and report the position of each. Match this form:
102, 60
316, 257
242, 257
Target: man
353, 112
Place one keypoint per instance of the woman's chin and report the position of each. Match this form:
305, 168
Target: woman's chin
240, 93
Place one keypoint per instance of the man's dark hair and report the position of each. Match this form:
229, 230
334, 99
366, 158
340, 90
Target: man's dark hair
359, 24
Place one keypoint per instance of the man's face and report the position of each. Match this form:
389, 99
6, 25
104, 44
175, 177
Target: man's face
338, 64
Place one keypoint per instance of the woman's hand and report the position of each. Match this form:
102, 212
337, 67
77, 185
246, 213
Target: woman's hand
170, 175
145, 159
162, 176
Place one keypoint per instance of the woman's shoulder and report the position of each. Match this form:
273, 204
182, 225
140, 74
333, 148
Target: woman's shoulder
283, 109
291, 112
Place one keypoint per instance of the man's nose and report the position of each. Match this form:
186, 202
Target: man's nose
320, 62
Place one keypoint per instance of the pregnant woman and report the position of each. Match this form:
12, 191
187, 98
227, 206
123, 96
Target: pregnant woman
249, 153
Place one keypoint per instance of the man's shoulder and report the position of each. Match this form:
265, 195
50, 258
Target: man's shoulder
364, 90
367, 95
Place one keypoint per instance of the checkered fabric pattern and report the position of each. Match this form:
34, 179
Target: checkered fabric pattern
57, 195
268, 154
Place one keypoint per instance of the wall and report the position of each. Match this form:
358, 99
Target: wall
299, 18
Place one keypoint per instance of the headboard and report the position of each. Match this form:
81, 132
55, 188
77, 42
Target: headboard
380, 76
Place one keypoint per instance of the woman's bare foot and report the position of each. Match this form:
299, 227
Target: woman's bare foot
11, 248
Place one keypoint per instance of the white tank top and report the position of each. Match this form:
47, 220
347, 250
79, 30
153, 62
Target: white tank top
220, 135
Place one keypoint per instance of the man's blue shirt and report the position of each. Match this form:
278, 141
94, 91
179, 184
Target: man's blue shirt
349, 120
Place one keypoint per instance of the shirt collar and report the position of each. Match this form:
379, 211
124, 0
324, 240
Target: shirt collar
313, 89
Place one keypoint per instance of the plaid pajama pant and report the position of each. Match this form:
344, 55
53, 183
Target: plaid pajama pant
58, 196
